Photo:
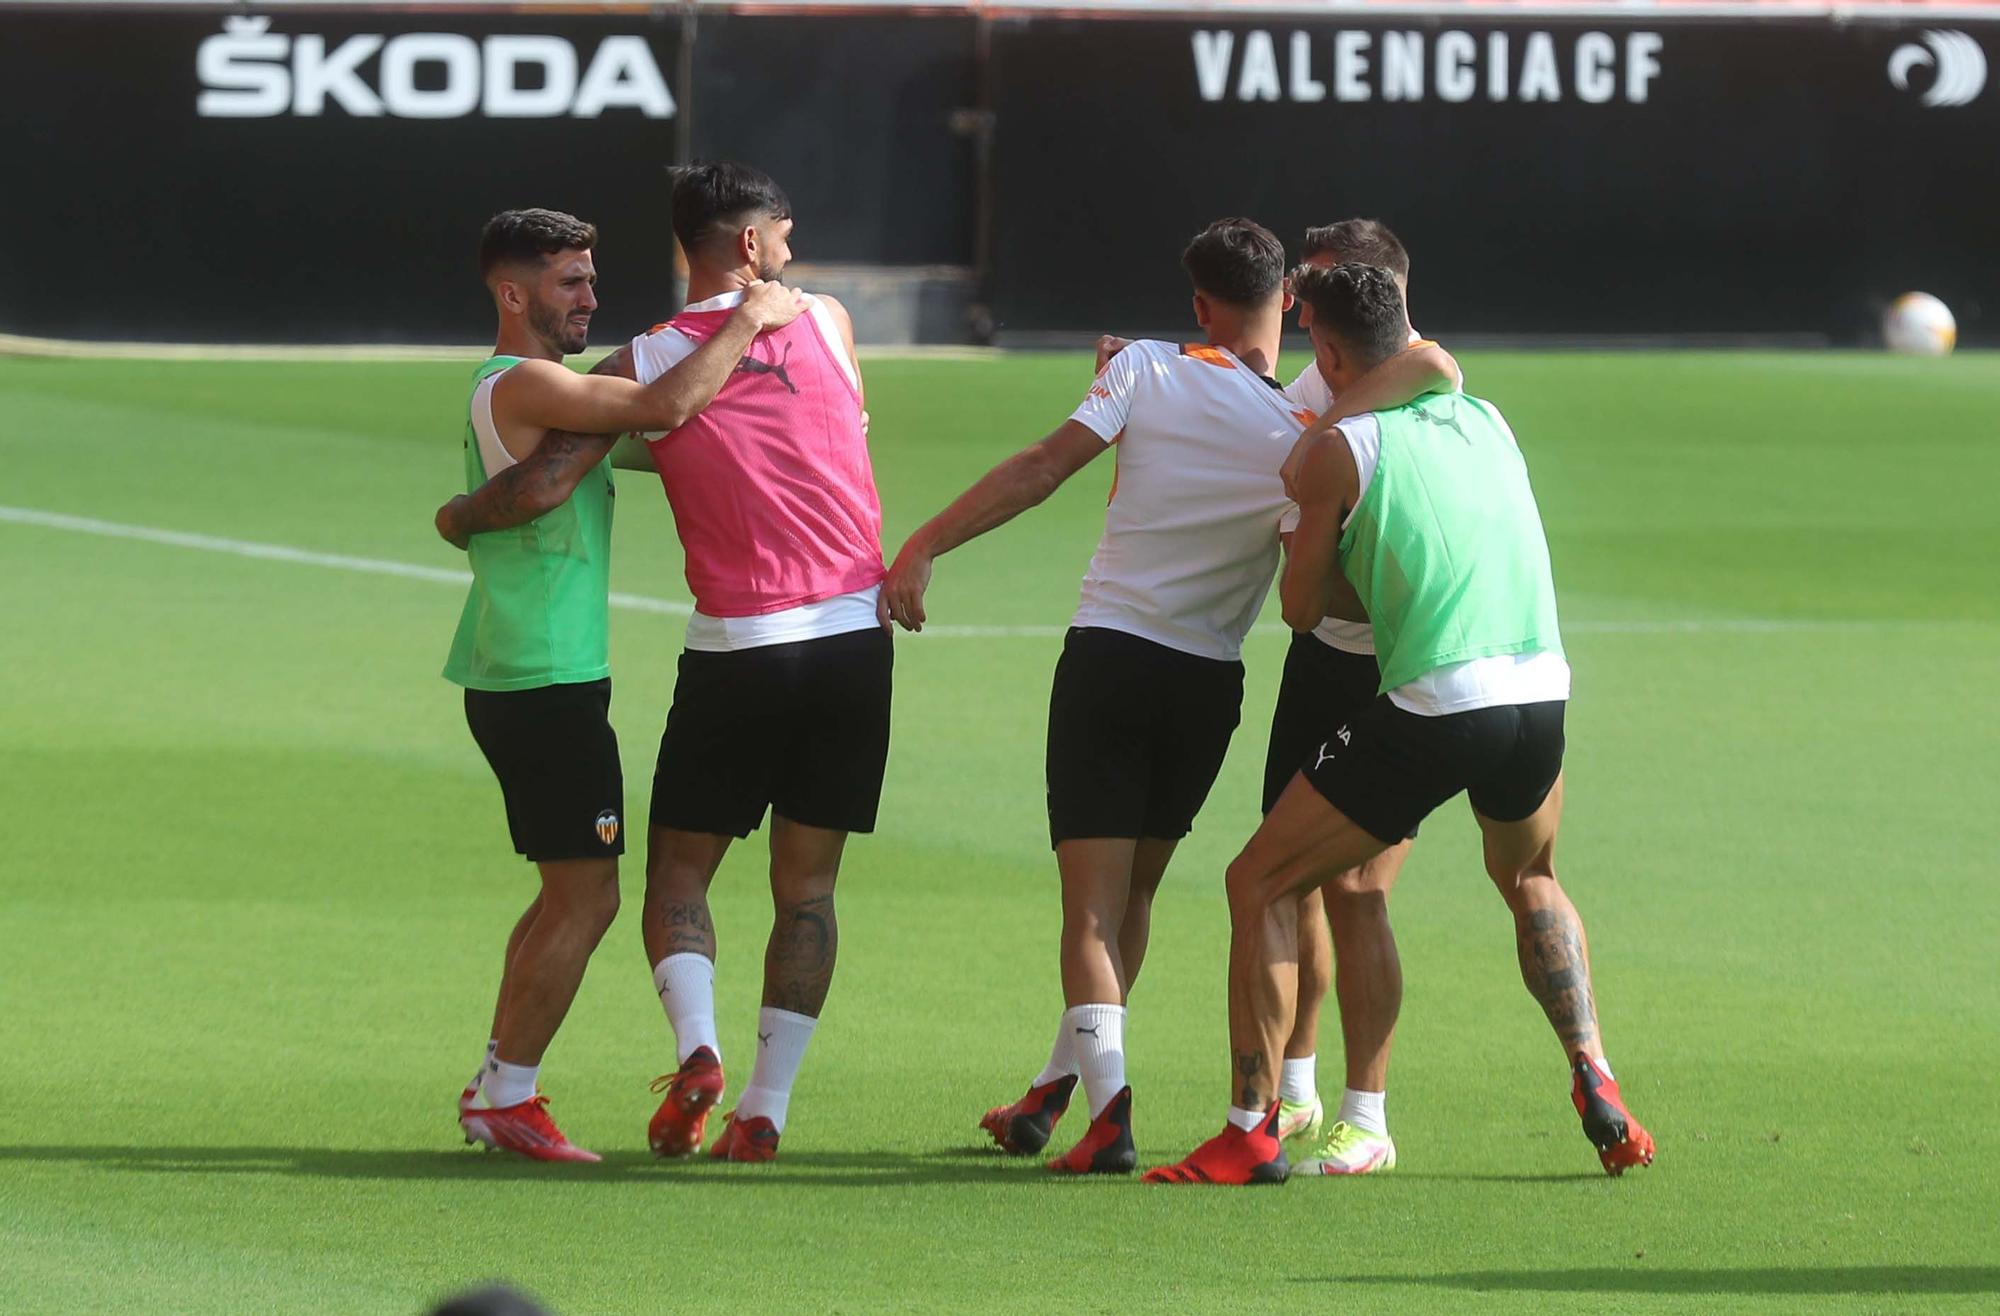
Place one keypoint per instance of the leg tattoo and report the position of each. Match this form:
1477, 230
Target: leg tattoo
1251, 1086
1557, 973
688, 927
798, 966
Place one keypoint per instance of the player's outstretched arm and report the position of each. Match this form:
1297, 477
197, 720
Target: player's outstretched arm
1402, 379
1325, 483
549, 395
1003, 493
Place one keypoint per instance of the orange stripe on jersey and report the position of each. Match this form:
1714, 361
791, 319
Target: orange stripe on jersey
1304, 417
1421, 342
656, 328
1213, 356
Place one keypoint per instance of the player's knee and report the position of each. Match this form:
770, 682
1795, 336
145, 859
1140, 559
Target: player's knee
1248, 884
801, 888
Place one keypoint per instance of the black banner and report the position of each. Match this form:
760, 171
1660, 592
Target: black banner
314, 176
1561, 178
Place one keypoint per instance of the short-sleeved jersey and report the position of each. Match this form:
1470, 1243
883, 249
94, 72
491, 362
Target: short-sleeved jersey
1190, 539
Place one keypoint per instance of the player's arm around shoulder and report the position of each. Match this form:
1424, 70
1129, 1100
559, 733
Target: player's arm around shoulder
1325, 488
1022, 481
538, 483
1421, 369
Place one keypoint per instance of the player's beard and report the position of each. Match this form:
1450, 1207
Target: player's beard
551, 325
768, 270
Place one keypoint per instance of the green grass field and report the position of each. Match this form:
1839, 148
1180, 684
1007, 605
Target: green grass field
256, 880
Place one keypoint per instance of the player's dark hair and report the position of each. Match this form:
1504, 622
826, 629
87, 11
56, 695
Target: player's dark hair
1238, 261
1358, 242
722, 196
1359, 305
528, 237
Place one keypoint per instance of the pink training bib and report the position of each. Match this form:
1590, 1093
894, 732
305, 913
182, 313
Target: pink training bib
772, 490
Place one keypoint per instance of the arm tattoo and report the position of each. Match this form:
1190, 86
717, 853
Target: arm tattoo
798, 964
1557, 972
529, 488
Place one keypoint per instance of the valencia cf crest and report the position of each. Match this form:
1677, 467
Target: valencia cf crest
607, 826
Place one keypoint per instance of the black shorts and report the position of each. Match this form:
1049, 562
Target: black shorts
556, 756
1137, 732
1387, 768
801, 729
1322, 688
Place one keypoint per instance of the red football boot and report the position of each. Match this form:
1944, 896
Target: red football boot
692, 1091
1023, 1128
1106, 1146
752, 1139
1232, 1156
525, 1128
1621, 1143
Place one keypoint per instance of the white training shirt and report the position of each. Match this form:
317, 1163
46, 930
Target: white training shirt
653, 355
1190, 539
1512, 678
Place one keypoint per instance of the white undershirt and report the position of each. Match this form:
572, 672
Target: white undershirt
656, 353
1490, 682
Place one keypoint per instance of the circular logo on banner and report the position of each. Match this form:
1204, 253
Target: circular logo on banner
1959, 63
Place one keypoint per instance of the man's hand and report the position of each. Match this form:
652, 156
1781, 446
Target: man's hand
1109, 346
1296, 459
448, 522
772, 305
903, 590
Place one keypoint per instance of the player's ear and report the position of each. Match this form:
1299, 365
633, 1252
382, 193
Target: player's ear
746, 245
1201, 312
1290, 301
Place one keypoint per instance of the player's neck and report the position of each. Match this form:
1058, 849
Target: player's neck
1252, 339
704, 284
516, 339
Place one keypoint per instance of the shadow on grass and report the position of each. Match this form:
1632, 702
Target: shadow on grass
1829, 1281
835, 1168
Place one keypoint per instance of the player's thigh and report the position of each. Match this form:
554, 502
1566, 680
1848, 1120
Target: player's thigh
805, 859
556, 757
1096, 880
1522, 847
1385, 769
1374, 878
580, 888
720, 746
1321, 688
833, 748
1194, 711
1519, 801
1097, 766
681, 864
1301, 843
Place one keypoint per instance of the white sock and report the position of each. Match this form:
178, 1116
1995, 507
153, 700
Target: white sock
1245, 1120
1062, 1057
1365, 1111
1097, 1039
1299, 1083
781, 1045
1605, 1065
508, 1085
686, 984
479, 1076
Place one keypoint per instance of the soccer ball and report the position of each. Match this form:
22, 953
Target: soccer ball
1918, 324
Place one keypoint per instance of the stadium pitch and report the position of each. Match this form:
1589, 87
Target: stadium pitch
255, 871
